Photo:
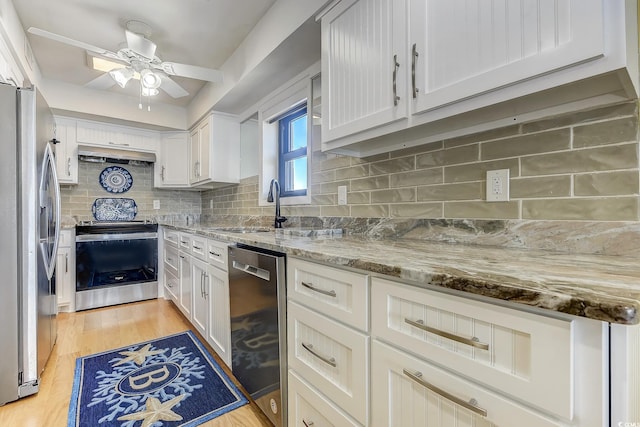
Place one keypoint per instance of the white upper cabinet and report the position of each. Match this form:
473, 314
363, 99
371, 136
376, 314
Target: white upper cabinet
364, 65
114, 136
462, 48
66, 151
215, 151
171, 169
466, 66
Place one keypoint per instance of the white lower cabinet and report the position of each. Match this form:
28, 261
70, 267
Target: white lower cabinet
200, 296
219, 320
308, 407
432, 359
196, 279
186, 286
408, 391
65, 272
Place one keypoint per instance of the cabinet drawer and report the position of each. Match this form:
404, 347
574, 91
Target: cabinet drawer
184, 242
171, 237
521, 354
342, 295
331, 356
199, 247
172, 286
171, 260
309, 407
217, 254
408, 391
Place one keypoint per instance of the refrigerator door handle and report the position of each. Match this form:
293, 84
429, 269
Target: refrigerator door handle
48, 165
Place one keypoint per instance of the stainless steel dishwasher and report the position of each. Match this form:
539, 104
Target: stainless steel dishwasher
257, 296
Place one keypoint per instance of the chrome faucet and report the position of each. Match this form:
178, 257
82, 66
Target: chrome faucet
274, 193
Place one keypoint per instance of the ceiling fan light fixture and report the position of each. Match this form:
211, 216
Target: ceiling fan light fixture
121, 76
149, 91
149, 79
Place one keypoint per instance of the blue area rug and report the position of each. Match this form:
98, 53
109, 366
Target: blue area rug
171, 381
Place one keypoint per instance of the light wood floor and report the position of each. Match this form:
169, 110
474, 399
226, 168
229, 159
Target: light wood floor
93, 331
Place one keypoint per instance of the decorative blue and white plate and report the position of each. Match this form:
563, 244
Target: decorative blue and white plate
111, 209
116, 179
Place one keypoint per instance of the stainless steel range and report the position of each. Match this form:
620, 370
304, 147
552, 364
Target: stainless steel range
116, 263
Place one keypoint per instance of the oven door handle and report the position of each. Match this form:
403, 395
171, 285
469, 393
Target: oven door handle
115, 236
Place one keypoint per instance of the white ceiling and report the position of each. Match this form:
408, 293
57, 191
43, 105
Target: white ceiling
197, 32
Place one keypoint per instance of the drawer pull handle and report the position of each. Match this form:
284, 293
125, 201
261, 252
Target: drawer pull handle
471, 405
197, 247
328, 360
307, 423
321, 291
474, 342
214, 254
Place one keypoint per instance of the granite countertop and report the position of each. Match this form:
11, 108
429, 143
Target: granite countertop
599, 287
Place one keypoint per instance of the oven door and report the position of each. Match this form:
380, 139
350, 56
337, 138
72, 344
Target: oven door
115, 269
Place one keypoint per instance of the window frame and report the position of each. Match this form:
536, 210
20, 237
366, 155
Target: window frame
285, 155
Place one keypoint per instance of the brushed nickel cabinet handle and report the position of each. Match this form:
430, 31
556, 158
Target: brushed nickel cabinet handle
328, 360
69, 166
66, 263
162, 173
414, 58
474, 342
331, 293
197, 247
396, 65
122, 145
471, 405
214, 254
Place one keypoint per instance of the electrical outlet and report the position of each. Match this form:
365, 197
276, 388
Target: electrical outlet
211, 204
156, 204
498, 185
342, 194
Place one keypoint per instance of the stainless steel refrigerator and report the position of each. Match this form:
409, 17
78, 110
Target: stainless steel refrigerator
29, 233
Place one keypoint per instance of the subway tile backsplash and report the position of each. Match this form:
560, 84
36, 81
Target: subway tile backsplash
580, 166
78, 199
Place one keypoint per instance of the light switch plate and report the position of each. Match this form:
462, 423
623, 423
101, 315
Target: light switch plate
498, 185
156, 204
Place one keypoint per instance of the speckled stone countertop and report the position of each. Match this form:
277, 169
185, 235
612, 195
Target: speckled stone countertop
594, 286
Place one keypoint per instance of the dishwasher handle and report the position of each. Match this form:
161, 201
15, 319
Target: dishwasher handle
250, 269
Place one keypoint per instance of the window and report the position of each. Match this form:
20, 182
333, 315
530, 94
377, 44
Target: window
292, 158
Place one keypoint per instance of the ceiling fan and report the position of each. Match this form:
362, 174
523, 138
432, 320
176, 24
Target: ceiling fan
138, 59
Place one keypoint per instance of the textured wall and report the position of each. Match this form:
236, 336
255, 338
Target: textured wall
582, 166
77, 199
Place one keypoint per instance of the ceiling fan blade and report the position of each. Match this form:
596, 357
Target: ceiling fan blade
140, 44
192, 72
172, 88
72, 42
102, 82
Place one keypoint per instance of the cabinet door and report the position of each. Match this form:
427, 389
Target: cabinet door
204, 168
172, 170
185, 285
66, 151
194, 161
466, 48
63, 278
407, 391
200, 291
219, 336
364, 66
